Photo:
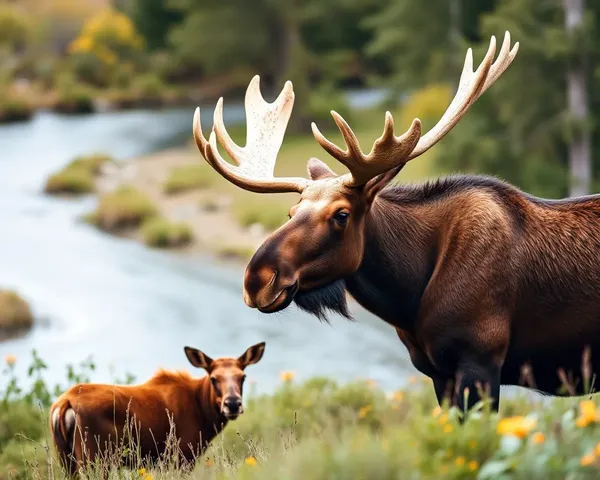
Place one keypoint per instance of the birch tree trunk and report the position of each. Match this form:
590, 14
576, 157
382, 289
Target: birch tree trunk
580, 161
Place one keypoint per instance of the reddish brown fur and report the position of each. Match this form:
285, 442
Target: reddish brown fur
193, 406
479, 278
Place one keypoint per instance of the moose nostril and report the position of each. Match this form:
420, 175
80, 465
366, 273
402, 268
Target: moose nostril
233, 404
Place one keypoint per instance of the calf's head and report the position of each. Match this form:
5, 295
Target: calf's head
308, 257
226, 376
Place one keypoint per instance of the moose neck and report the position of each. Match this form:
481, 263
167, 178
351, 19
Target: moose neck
211, 418
398, 260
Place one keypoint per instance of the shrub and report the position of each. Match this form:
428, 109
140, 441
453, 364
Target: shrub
234, 252
78, 176
15, 314
126, 207
187, 177
73, 97
160, 232
14, 107
148, 86
325, 99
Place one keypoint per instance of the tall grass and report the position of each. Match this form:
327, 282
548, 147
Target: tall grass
320, 429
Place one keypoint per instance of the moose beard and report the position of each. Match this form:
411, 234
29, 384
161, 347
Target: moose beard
319, 301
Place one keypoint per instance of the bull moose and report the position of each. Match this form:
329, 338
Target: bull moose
90, 422
479, 279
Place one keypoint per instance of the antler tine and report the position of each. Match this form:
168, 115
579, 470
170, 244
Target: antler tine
471, 86
267, 123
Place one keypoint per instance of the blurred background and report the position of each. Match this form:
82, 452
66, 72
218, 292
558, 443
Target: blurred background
119, 245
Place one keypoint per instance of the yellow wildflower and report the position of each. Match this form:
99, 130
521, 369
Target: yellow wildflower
597, 449
398, 395
460, 461
371, 383
142, 472
208, 462
287, 376
148, 477
588, 414
362, 413
443, 419
10, 360
588, 459
436, 412
251, 461
538, 438
448, 428
473, 465
517, 426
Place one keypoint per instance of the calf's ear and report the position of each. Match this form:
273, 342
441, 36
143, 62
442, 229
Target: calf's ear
197, 358
252, 355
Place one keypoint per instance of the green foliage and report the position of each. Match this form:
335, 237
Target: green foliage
321, 429
154, 19
160, 232
148, 86
13, 107
188, 177
16, 28
15, 313
73, 96
123, 208
78, 176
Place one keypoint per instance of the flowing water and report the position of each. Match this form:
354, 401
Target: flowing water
131, 308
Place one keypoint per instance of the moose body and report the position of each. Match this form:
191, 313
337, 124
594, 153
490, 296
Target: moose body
480, 278
171, 414
485, 284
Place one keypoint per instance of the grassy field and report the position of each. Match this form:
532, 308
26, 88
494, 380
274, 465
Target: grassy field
320, 429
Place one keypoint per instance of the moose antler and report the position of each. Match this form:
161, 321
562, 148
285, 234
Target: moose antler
390, 151
256, 161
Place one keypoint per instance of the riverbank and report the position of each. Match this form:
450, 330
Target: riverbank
226, 220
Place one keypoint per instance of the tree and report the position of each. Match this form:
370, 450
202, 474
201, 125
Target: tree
580, 149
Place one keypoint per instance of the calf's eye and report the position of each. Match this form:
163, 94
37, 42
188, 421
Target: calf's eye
341, 217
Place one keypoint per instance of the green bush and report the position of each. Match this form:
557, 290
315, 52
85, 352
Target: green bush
148, 85
160, 232
188, 177
72, 95
325, 99
78, 176
15, 314
13, 107
126, 207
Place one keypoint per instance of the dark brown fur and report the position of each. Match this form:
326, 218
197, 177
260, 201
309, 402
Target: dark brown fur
478, 278
88, 418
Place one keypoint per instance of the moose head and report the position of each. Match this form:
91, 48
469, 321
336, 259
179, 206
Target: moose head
307, 259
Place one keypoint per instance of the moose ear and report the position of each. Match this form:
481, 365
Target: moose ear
318, 169
197, 358
252, 355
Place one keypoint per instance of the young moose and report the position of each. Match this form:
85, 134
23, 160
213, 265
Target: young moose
479, 279
86, 420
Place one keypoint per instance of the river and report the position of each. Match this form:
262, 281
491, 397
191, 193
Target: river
132, 308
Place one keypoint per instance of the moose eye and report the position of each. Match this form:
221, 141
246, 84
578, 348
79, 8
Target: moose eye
213, 380
341, 217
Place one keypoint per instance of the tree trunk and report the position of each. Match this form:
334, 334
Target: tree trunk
580, 157
291, 63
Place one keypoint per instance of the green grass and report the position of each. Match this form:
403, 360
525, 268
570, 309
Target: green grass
124, 208
161, 233
15, 314
267, 212
321, 429
78, 176
188, 177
